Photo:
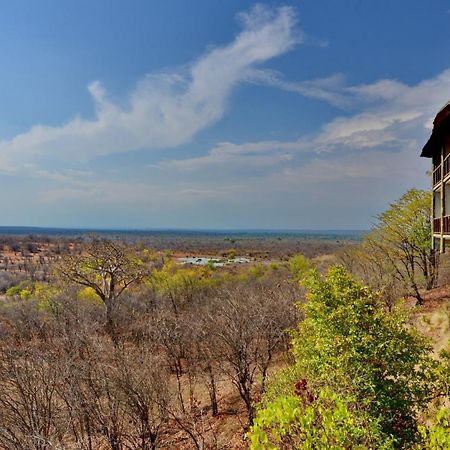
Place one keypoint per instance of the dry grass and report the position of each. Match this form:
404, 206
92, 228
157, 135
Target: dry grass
433, 318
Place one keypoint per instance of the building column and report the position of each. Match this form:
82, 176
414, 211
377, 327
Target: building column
442, 243
433, 246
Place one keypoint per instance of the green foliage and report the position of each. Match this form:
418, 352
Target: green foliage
23, 290
437, 436
327, 422
149, 255
299, 266
42, 292
106, 266
181, 283
398, 249
89, 295
274, 266
257, 271
409, 219
45, 294
350, 346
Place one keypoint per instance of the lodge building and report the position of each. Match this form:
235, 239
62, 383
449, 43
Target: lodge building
438, 149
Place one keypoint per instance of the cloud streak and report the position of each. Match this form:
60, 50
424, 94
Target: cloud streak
165, 109
391, 117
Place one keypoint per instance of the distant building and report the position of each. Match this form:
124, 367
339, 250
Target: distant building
438, 149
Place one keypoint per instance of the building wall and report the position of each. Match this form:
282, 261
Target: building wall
447, 200
437, 204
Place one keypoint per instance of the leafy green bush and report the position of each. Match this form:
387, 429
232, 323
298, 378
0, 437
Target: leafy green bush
299, 266
257, 271
27, 290
327, 422
23, 290
364, 358
437, 436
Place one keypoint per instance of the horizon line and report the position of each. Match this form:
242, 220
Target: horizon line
146, 229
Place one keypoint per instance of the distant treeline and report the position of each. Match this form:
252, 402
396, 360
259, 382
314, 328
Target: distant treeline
157, 233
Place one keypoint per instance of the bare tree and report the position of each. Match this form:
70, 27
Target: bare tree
247, 324
30, 414
108, 268
144, 384
276, 315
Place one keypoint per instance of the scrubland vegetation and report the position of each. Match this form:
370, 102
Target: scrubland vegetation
120, 347
114, 345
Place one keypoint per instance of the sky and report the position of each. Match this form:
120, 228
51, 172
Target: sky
208, 114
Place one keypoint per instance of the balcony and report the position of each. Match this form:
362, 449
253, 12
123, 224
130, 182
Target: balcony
437, 225
437, 172
437, 175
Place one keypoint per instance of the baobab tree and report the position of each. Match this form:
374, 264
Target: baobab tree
108, 268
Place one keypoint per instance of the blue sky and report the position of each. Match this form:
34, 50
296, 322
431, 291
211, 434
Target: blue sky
207, 114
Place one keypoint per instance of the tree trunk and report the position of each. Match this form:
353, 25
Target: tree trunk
212, 391
110, 319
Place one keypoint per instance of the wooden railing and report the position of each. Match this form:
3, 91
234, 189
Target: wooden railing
446, 226
446, 166
437, 175
437, 225
437, 172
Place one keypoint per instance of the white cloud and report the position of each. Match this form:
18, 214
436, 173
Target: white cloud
165, 109
391, 117
329, 89
255, 154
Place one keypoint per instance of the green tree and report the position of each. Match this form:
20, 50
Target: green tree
399, 245
348, 344
180, 284
299, 266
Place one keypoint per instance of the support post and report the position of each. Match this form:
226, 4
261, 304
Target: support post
442, 243
433, 246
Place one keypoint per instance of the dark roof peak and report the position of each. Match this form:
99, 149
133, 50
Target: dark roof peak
441, 126
443, 113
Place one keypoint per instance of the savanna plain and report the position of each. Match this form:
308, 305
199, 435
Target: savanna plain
226, 341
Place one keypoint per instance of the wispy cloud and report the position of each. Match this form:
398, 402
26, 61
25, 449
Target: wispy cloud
255, 153
389, 116
165, 109
360, 159
330, 89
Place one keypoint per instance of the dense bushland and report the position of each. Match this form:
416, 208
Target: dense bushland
127, 350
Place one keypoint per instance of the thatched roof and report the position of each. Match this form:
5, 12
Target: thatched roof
441, 127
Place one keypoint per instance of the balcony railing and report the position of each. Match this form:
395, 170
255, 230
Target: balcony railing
437, 175
437, 172
446, 166
446, 225
437, 225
